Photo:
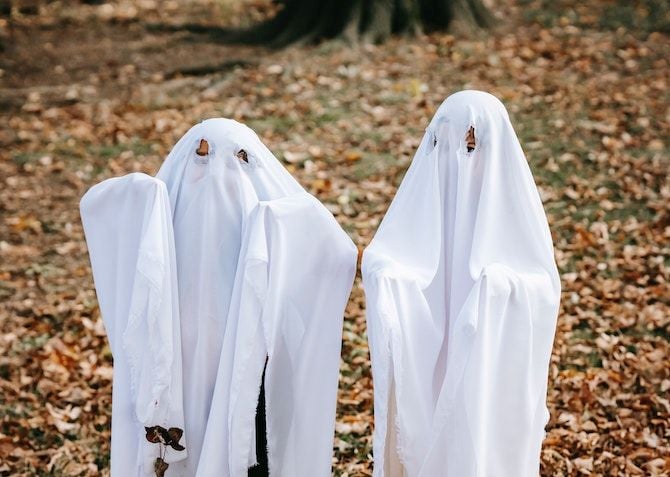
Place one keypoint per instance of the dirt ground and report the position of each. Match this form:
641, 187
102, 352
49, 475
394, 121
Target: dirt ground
89, 92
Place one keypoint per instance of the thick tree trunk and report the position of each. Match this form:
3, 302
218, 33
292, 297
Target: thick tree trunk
366, 20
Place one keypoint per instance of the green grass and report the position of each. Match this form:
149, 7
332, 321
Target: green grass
23, 158
277, 124
582, 332
31, 343
640, 17
371, 164
110, 151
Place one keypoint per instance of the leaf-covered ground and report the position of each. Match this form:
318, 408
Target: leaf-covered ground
89, 92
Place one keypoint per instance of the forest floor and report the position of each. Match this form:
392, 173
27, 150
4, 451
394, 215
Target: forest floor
90, 92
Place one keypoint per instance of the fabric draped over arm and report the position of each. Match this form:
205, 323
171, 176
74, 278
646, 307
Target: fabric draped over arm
297, 271
128, 227
312, 264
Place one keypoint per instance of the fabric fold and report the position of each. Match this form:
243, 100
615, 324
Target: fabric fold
304, 316
128, 229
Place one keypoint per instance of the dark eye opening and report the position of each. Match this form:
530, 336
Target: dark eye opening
470, 139
243, 156
203, 148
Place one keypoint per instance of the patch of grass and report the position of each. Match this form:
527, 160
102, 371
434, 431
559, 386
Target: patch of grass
355, 373
643, 16
6, 289
582, 332
640, 17
393, 98
358, 448
277, 124
13, 412
371, 164
637, 209
45, 270
349, 228
329, 116
30, 343
110, 151
102, 460
581, 361
37, 436
96, 155
644, 332
593, 360
23, 158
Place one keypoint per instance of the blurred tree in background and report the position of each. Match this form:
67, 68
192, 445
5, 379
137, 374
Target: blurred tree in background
367, 20
372, 21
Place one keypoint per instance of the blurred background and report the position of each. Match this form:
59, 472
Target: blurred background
341, 93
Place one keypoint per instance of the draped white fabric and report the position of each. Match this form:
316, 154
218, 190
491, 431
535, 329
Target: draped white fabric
303, 279
263, 272
128, 227
462, 298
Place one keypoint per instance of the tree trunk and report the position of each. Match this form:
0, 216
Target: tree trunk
367, 20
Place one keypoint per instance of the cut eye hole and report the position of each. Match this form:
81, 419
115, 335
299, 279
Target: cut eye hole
242, 155
470, 139
203, 148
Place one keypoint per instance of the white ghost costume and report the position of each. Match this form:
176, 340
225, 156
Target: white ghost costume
263, 273
128, 227
462, 296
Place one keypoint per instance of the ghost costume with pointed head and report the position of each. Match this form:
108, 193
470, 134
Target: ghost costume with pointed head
462, 297
262, 272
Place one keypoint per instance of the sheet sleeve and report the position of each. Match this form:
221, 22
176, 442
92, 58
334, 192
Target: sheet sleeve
128, 229
311, 269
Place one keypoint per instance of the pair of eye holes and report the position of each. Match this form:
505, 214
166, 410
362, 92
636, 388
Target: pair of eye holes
203, 150
470, 142
203, 147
